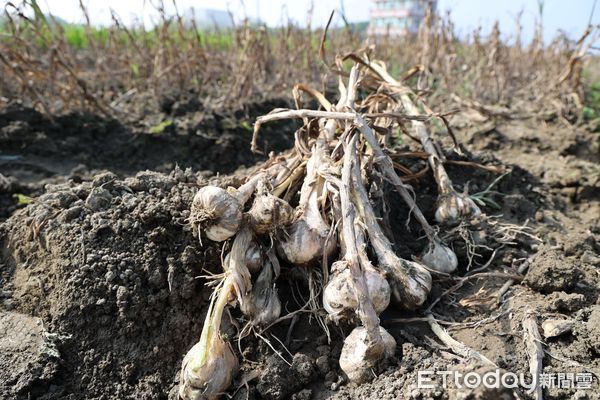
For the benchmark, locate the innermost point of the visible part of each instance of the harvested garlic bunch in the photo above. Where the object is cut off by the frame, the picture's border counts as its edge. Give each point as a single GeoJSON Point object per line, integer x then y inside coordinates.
{"type": "Point", "coordinates": [357, 359]}
{"type": "Point", "coordinates": [216, 212]}
{"type": "Point", "coordinates": [339, 297]}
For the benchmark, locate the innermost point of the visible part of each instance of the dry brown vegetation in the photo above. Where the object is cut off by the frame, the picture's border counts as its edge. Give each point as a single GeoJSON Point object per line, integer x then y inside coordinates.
{"type": "Point", "coordinates": [58, 68]}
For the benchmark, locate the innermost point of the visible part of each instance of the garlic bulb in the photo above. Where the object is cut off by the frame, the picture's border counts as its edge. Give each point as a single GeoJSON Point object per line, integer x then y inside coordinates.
{"type": "Point", "coordinates": [304, 242]}
{"type": "Point", "coordinates": [410, 283]}
{"type": "Point", "coordinates": [216, 212]}
{"type": "Point", "coordinates": [253, 258]}
{"type": "Point", "coordinates": [208, 368]}
{"type": "Point", "coordinates": [207, 372]}
{"type": "Point", "coordinates": [356, 359]}
{"type": "Point", "coordinates": [263, 304]}
{"type": "Point", "coordinates": [339, 297]}
{"type": "Point", "coordinates": [269, 212]}
{"type": "Point", "coordinates": [308, 238]}
{"type": "Point", "coordinates": [440, 257]}
{"type": "Point", "coordinates": [455, 206]}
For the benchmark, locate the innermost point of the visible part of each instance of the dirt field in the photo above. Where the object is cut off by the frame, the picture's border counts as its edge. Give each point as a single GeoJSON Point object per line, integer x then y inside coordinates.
{"type": "Point", "coordinates": [101, 284]}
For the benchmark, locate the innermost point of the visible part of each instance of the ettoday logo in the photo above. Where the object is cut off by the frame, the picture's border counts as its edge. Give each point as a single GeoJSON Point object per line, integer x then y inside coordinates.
{"type": "Point", "coordinates": [497, 379]}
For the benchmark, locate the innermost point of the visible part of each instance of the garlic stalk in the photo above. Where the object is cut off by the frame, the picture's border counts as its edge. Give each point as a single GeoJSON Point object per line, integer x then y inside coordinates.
{"type": "Point", "coordinates": [451, 205]}
{"type": "Point", "coordinates": [438, 263]}
{"type": "Point", "coordinates": [410, 282]}
{"type": "Point", "coordinates": [237, 264]}
{"type": "Point", "coordinates": [375, 348]}
{"type": "Point", "coordinates": [209, 366]}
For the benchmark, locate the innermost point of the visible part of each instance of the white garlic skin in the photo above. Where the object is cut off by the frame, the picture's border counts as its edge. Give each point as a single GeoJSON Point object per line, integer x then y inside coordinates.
{"type": "Point", "coordinates": [215, 212]}
{"type": "Point", "coordinates": [339, 297]}
{"type": "Point", "coordinates": [440, 258]}
{"type": "Point", "coordinates": [269, 212]}
{"type": "Point", "coordinates": [302, 244]}
{"type": "Point", "coordinates": [207, 380]}
{"type": "Point", "coordinates": [354, 359]}
{"type": "Point", "coordinates": [410, 284]}
{"type": "Point", "coordinates": [454, 207]}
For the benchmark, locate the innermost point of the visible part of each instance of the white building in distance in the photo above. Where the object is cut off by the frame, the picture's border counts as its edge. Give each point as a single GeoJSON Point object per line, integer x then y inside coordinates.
{"type": "Point", "coordinates": [206, 18]}
{"type": "Point", "coordinates": [398, 17]}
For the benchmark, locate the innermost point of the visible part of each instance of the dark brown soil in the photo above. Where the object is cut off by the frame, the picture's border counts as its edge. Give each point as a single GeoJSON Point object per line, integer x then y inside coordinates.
{"type": "Point", "coordinates": [100, 285]}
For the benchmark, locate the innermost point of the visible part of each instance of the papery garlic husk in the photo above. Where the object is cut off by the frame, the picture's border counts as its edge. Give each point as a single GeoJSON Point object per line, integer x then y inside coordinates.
{"type": "Point", "coordinates": [339, 297]}
{"type": "Point", "coordinates": [440, 257]}
{"type": "Point", "coordinates": [216, 212]}
{"type": "Point", "coordinates": [303, 243]}
{"type": "Point", "coordinates": [207, 369]}
{"type": "Point", "coordinates": [253, 258]}
{"type": "Point", "coordinates": [269, 212]}
{"type": "Point", "coordinates": [410, 283]}
{"type": "Point", "coordinates": [453, 207]}
{"type": "Point", "coordinates": [557, 327]}
{"type": "Point", "coordinates": [262, 305]}
{"type": "Point", "coordinates": [308, 238]}
{"type": "Point", "coordinates": [356, 360]}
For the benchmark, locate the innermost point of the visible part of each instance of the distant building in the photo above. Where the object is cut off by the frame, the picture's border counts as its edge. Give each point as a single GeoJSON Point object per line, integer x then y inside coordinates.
{"type": "Point", "coordinates": [206, 18]}
{"type": "Point", "coordinates": [398, 17]}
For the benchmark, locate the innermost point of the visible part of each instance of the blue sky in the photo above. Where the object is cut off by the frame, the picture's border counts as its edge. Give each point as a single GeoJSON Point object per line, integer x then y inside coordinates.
{"type": "Point", "coordinates": [570, 16]}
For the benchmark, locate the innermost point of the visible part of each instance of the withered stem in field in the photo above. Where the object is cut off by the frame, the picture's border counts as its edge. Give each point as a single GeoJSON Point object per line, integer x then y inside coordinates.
{"type": "Point", "coordinates": [456, 346]}
{"type": "Point", "coordinates": [535, 351]}
{"type": "Point", "coordinates": [366, 310]}
{"type": "Point", "coordinates": [384, 161]}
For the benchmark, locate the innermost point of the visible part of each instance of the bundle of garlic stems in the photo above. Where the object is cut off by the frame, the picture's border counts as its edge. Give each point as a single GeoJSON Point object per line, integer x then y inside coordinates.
{"type": "Point", "coordinates": [309, 206]}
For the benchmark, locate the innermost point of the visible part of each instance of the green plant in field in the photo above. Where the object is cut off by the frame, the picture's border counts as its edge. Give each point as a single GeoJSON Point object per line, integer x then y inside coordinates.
{"type": "Point", "coordinates": [135, 70]}
{"type": "Point", "coordinates": [591, 110]}
{"type": "Point", "coordinates": [75, 36]}
{"type": "Point", "coordinates": [22, 200]}
{"type": "Point", "coordinates": [246, 125]}
{"type": "Point", "coordinates": [486, 197]}
{"type": "Point", "coordinates": [158, 129]}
